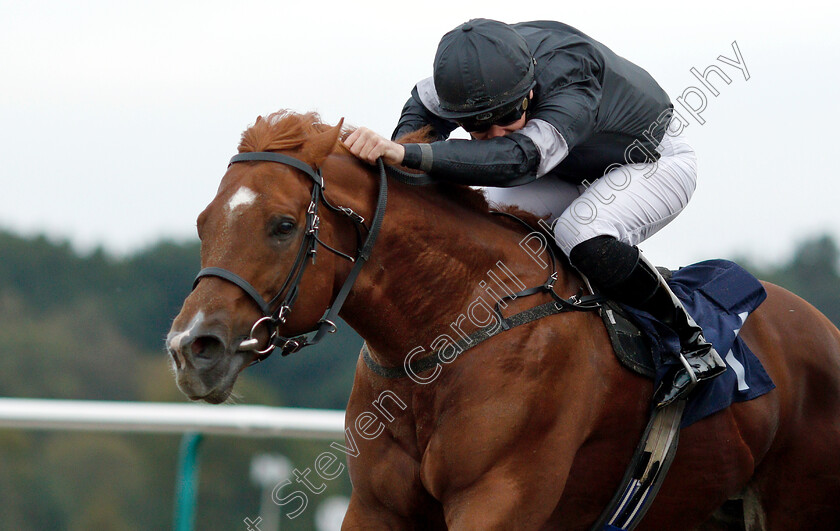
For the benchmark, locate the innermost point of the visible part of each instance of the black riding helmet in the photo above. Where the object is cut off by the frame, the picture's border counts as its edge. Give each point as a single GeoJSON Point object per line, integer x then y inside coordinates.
{"type": "Point", "coordinates": [483, 73]}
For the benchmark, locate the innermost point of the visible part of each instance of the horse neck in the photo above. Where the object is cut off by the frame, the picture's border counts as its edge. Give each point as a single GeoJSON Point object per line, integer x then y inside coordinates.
{"type": "Point", "coordinates": [433, 258]}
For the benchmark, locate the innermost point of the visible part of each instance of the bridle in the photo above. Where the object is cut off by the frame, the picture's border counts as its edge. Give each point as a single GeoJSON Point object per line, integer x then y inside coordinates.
{"type": "Point", "coordinates": [276, 311]}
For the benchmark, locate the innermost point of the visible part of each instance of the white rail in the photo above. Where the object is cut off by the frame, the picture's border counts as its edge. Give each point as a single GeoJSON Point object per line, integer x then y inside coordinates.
{"type": "Point", "coordinates": [157, 417]}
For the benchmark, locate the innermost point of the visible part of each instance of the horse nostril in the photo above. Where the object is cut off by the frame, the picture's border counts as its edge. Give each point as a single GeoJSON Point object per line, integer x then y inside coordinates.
{"type": "Point", "coordinates": [206, 347]}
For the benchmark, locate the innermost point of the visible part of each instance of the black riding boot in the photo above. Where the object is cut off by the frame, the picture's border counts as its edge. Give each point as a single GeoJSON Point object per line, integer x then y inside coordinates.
{"type": "Point", "coordinates": [700, 360]}
{"type": "Point", "coordinates": [633, 281]}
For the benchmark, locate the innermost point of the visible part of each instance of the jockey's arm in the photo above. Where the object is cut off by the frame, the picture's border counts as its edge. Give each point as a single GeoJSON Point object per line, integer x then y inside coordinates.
{"type": "Point", "coordinates": [562, 118]}
{"type": "Point", "coordinates": [560, 121]}
{"type": "Point", "coordinates": [511, 160]}
{"type": "Point", "coordinates": [415, 116]}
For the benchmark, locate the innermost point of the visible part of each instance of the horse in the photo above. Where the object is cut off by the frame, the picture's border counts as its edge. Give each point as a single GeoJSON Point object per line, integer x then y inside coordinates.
{"type": "Point", "coordinates": [533, 428]}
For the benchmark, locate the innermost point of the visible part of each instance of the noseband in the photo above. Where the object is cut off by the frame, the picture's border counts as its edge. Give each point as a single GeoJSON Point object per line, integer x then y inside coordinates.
{"type": "Point", "coordinates": [276, 311]}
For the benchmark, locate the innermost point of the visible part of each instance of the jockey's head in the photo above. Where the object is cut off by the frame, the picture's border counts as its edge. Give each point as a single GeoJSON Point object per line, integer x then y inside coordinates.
{"type": "Point", "coordinates": [484, 76]}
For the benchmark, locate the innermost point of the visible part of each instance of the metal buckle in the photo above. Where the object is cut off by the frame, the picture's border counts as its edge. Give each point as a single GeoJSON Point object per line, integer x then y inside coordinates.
{"type": "Point", "coordinates": [316, 224]}
{"type": "Point", "coordinates": [290, 346]}
{"type": "Point", "coordinates": [282, 313]}
{"type": "Point", "coordinates": [332, 325]}
{"type": "Point", "coordinates": [349, 212]}
{"type": "Point", "coordinates": [689, 369]}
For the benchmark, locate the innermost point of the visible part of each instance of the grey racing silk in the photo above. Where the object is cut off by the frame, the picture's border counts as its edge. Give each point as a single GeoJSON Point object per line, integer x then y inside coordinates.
{"type": "Point", "coordinates": [591, 109]}
{"type": "Point", "coordinates": [549, 142]}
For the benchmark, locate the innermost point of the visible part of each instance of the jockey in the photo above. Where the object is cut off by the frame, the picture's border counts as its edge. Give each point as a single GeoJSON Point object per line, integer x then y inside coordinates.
{"type": "Point", "coordinates": [565, 128]}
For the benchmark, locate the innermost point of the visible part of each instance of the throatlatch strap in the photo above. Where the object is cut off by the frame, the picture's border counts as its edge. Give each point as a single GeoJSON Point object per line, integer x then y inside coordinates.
{"type": "Point", "coordinates": [364, 253]}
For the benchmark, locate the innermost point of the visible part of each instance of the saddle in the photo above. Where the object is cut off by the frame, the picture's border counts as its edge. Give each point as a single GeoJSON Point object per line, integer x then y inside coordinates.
{"type": "Point", "coordinates": [632, 347]}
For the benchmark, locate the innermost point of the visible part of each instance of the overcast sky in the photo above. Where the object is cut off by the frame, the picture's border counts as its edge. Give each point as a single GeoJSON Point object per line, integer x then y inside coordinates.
{"type": "Point", "coordinates": [117, 118]}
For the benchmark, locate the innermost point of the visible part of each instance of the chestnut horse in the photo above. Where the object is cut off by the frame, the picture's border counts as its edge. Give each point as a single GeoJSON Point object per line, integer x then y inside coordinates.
{"type": "Point", "coordinates": [533, 428]}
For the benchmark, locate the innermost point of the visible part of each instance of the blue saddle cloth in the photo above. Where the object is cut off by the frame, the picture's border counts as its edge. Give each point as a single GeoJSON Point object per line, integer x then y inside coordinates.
{"type": "Point", "coordinates": [719, 295]}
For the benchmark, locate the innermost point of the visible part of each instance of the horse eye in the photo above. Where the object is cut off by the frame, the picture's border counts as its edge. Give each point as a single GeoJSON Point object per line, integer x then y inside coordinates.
{"type": "Point", "coordinates": [281, 227]}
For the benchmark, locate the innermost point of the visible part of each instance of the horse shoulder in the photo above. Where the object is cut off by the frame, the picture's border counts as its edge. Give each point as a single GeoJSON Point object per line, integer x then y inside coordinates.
{"type": "Point", "coordinates": [534, 408]}
{"type": "Point", "coordinates": [382, 456]}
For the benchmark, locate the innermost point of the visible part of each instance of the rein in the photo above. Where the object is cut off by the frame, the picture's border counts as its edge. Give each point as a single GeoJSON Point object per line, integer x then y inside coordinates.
{"type": "Point", "coordinates": [286, 296]}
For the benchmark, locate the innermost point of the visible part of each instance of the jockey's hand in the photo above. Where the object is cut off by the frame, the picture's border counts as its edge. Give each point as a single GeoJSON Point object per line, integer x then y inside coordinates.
{"type": "Point", "coordinates": [369, 146]}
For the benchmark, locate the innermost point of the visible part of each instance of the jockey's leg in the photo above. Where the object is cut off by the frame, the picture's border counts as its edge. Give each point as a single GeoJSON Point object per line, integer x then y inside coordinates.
{"type": "Point", "coordinates": [599, 232]}
{"type": "Point", "coordinates": [548, 196]}
{"type": "Point", "coordinates": [622, 273]}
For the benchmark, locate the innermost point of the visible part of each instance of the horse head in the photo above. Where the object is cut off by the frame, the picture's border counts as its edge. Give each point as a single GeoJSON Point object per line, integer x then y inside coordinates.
{"type": "Point", "coordinates": [259, 228]}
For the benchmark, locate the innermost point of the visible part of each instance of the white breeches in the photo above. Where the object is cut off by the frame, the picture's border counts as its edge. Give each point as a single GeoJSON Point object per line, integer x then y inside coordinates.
{"type": "Point", "coordinates": [630, 202]}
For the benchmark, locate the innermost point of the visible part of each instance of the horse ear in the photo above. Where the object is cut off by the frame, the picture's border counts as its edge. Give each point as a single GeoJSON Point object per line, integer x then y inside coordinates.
{"type": "Point", "coordinates": [319, 146]}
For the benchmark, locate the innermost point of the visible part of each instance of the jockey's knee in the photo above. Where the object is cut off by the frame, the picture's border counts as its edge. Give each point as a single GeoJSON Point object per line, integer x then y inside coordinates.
{"type": "Point", "coordinates": [604, 260]}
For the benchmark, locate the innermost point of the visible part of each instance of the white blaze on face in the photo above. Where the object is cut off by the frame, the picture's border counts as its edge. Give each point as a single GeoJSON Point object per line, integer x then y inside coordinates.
{"type": "Point", "coordinates": [242, 198]}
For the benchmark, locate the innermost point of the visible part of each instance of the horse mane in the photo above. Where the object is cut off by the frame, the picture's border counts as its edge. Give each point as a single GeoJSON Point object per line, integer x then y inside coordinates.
{"type": "Point", "coordinates": [286, 130]}
{"type": "Point", "coordinates": [281, 131]}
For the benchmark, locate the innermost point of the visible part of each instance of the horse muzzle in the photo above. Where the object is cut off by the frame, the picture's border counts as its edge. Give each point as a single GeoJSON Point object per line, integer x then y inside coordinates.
{"type": "Point", "coordinates": [206, 363]}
